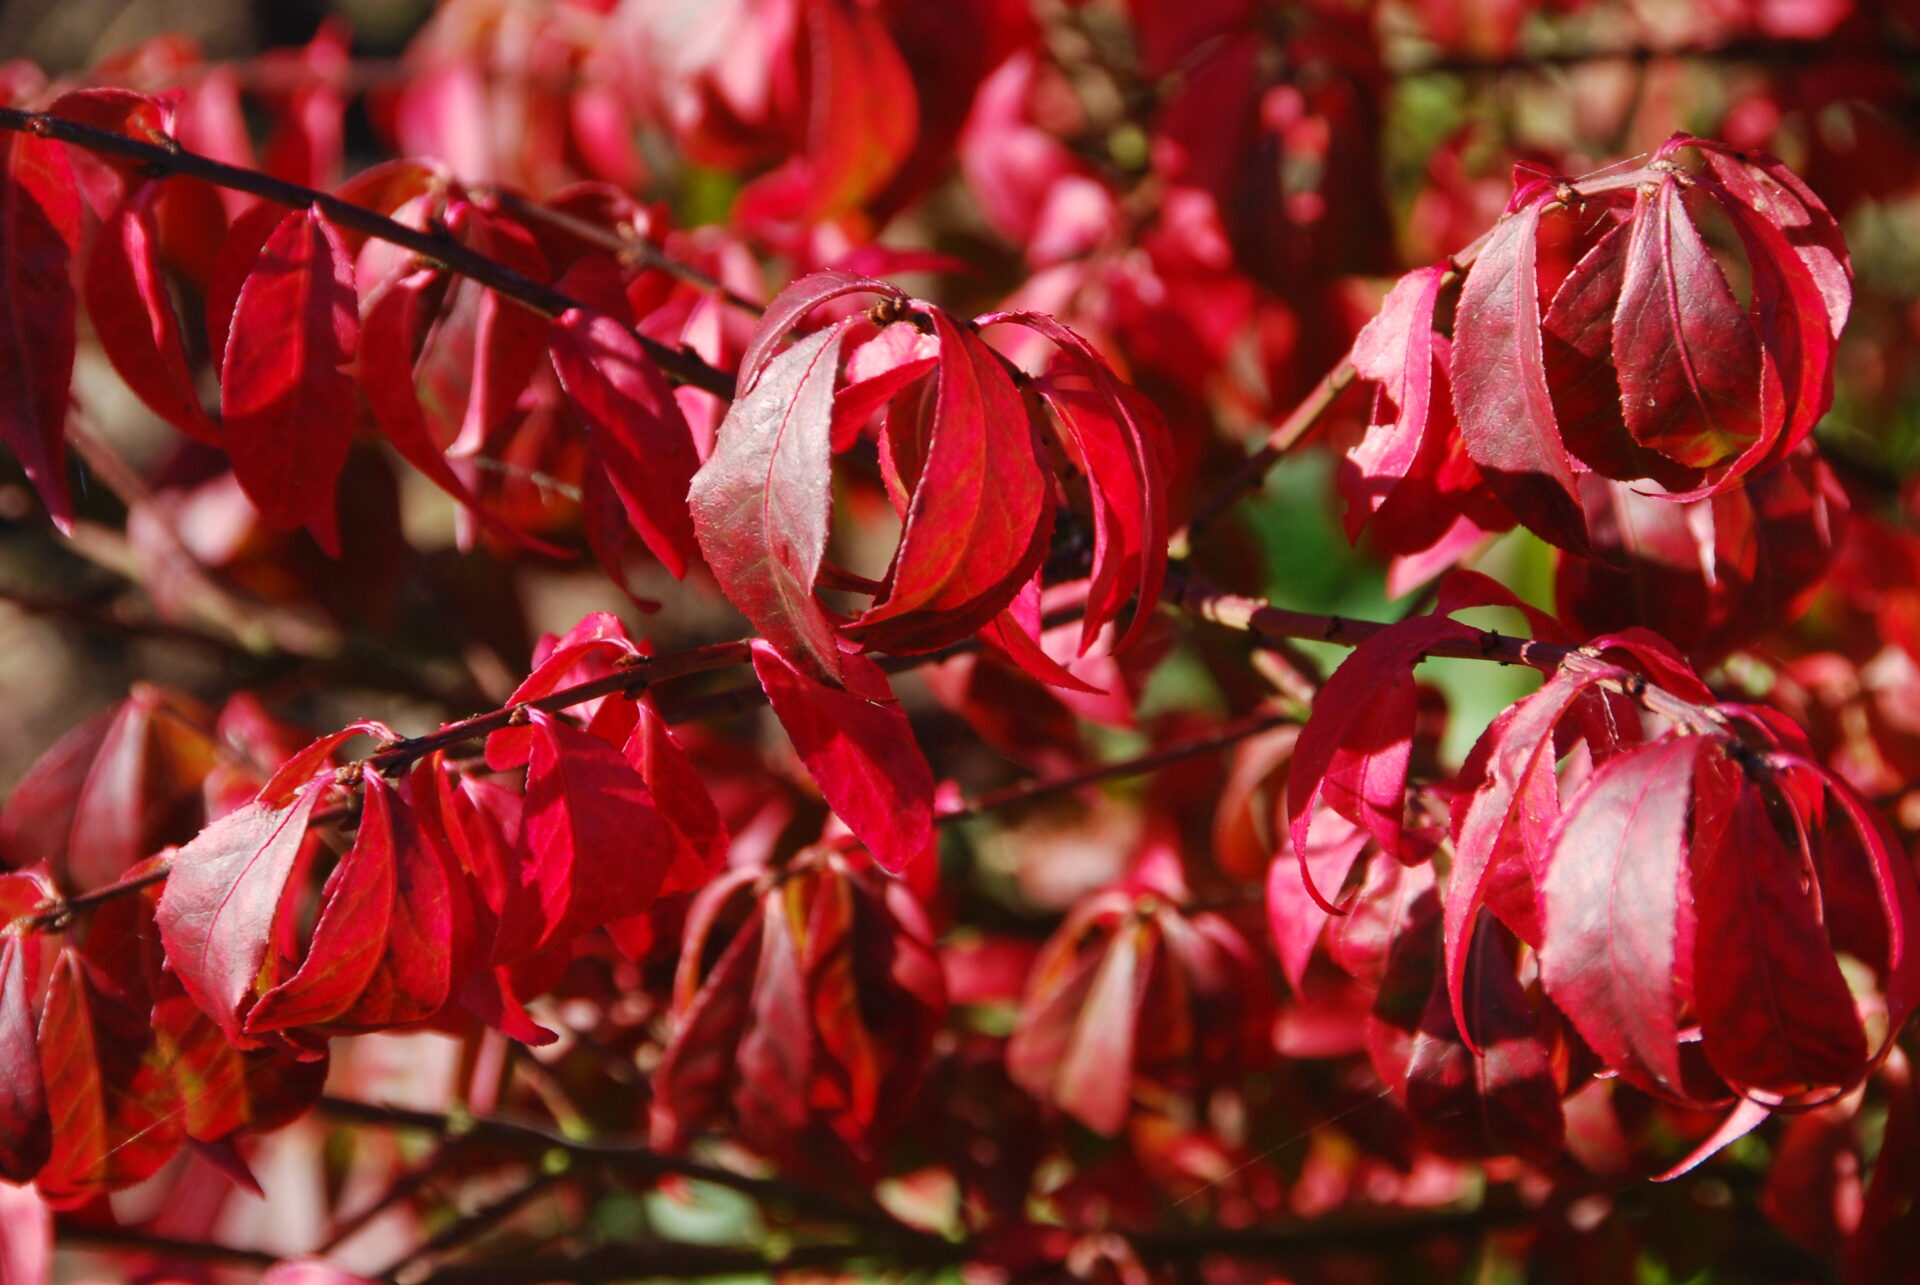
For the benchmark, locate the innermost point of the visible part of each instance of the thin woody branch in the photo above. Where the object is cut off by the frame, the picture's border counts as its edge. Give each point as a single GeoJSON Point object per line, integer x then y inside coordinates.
{"type": "Point", "coordinates": [169, 158]}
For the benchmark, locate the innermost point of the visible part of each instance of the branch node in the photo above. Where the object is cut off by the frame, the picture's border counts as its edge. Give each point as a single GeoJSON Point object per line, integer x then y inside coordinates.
{"type": "Point", "coordinates": [520, 715]}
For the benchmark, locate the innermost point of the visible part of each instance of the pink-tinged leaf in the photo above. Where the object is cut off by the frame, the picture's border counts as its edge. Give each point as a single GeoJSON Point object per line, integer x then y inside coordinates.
{"type": "Point", "coordinates": [1775, 1013]}
{"type": "Point", "coordinates": [1686, 353]}
{"type": "Point", "coordinates": [1296, 918]}
{"type": "Point", "coordinates": [1094, 1081]}
{"type": "Point", "coordinates": [1396, 351]}
{"type": "Point", "coordinates": [1352, 755]}
{"type": "Point", "coordinates": [387, 328]}
{"type": "Point", "coordinates": [285, 394]}
{"type": "Point", "coordinates": [1017, 630]}
{"type": "Point", "coordinates": [1500, 386]}
{"type": "Point", "coordinates": [595, 847]}
{"type": "Point", "coordinates": [980, 511]}
{"type": "Point", "coordinates": [776, 1052]}
{"type": "Point", "coordinates": [1746, 1116]}
{"type": "Point", "coordinates": [26, 1133]}
{"type": "Point", "coordinates": [1501, 840]}
{"type": "Point", "coordinates": [1617, 914]}
{"type": "Point", "coordinates": [26, 1237]}
{"type": "Point", "coordinates": [877, 370]}
{"type": "Point", "coordinates": [1892, 876]}
{"type": "Point", "coordinates": [634, 427]}
{"type": "Point", "coordinates": [39, 230]}
{"type": "Point", "coordinates": [382, 948]}
{"type": "Point", "coordinates": [133, 318]}
{"type": "Point", "coordinates": [218, 909]}
{"type": "Point", "coordinates": [794, 303]}
{"type": "Point", "coordinates": [116, 1110]}
{"type": "Point", "coordinates": [860, 751]}
{"type": "Point", "coordinates": [861, 120]}
{"type": "Point", "coordinates": [1797, 287]}
{"type": "Point", "coordinates": [761, 504]}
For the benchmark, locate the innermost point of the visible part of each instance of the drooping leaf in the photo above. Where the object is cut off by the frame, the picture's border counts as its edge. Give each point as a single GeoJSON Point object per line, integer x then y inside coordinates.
{"type": "Point", "coordinates": [776, 1052]}
{"type": "Point", "coordinates": [1687, 355]}
{"type": "Point", "coordinates": [39, 233]}
{"type": "Point", "coordinates": [115, 1108]}
{"type": "Point", "coordinates": [1352, 755]}
{"type": "Point", "coordinates": [388, 320]}
{"type": "Point", "coordinates": [595, 848]}
{"type": "Point", "coordinates": [1617, 914]}
{"type": "Point", "coordinates": [1776, 1015]}
{"type": "Point", "coordinates": [1123, 444]}
{"type": "Point", "coordinates": [1501, 838]}
{"type": "Point", "coordinates": [133, 317]}
{"type": "Point", "coordinates": [979, 511]}
{"type": "Point", "coordinates": [1500, 386]}
{"type": "Point", "coordinates": [26, 1131]}
{"type": "Point", "coordinates": [761, 502]}
{"type": "Point", "coordinates": [218, 910]}
{"type": "Point", "coordinates": [1395, 351]}
{"type": "Point", "coordinates": [860, 751]}
{"type": "Point", "coordinates": [285, 394]}
{"type": "Point", "coordinates": [382, 951]}
{"type": "Point", "coordinates": [635, 428]}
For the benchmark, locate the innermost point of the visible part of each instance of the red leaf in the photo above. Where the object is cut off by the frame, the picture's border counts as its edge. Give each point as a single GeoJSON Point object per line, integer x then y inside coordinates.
{"type": "Point", "coordinates": [1500, 1100]}
{"type": "Point", "coordinates": [793, 304]}
{"type": "Point", "coordinates": [239, 252]}
{"type": "Point", "coordinates": [682, 799]}
{"type": "Point", "coordinates": [776, 1052]}
{"type": "Point", "coordinates": [1352, 754]}
{"type": "Point", "coordinates": [133, 318]}
{"type": "Point", "coordinates": [761, 502]}
{"type": "Point", "coordinates": [980, 513]}
{"type": "Point", "coordinates": [39, 230]}
{"type": "Point", "coordinates": [115, 1108]}
{"type": "Point", "coordinates": [694, 1070]}
{"type": "Point", "coordinates": [1686, 353]}
{"type": "Point", "coordinates": [387, 327]}
{"type": "Point", "coordinates": [1124, 446]}
{"type": "Point", "coordinates": [634, 427]}
{"type": "Point", "coordinates": [860, 750]}
{"type": "Point", "coordinates": [218, 909]}
{"type": "Point", "coordinates": [1776, 1015]}
{"type": "Point", "coordinates": [26, 1133]}
{"type": "Point", "coordinates": [287, 400]}
{"type": "Point", "coordinates": [1618, 920]}
{"type": "Point", "coordinates": [1395, 350]}
{"type": "Point", "coordinates": [595, 848]}
{"type": "Point", "coordinates": [1502, 836]}
{"type": "Point", "coordinates": [382, 948]}
{"type": "Point", "coordinates": [1500, 386]}
{"type": "Point", "coordinates": [1296, 917]}
{"type": "Point", "coordinates": [1092, 1081]}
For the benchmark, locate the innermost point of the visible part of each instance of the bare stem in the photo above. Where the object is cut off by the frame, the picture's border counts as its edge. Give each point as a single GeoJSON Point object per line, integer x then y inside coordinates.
{"type": "Point", "coordinates": [1298, 423]}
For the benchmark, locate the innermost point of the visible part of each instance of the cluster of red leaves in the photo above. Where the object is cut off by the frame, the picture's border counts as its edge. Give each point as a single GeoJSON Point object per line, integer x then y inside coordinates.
{"type": "Point", "coordinates": [1638, 893]}
{"type": "Point", "coordinates": [1595, 326]}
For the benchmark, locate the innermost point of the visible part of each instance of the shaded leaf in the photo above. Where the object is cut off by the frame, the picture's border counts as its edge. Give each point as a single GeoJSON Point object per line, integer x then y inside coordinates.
{"type": "Point", "coordinates": [285, 395]}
